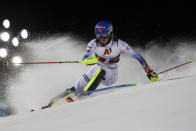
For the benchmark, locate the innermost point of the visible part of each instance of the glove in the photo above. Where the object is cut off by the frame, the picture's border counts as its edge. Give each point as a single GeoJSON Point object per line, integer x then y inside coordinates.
{"type": "Point", "coordinates": [153, 76]}
{"type": "Point", "coordinates": [90, 61]}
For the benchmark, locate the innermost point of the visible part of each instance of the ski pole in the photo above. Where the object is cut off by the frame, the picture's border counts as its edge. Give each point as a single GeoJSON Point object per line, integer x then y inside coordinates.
{"type": "Point", "coordinates": [175, 67]}
{"type": "Point", "coordinates": [89, 60]}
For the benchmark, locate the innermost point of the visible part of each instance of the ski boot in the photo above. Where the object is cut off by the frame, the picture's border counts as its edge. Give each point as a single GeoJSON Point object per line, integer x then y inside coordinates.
{"type": "Point", "coordinates": [69, 95]}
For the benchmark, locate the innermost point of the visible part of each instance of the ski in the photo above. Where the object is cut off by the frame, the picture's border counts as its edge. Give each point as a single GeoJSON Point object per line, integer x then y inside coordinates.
{"type": "Point", "coordinates": [103, 89]}
{"type": "Point", "coordinates": [62, 100]}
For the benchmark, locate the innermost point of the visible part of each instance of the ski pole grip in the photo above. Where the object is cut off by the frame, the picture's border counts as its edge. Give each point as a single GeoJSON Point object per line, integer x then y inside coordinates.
{"type": "Point", "coordinates": [89, 60]}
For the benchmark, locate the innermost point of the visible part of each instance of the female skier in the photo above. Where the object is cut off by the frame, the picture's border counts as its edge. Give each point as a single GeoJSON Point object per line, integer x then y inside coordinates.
{"type": "Point", "coordinates": [107, 50]}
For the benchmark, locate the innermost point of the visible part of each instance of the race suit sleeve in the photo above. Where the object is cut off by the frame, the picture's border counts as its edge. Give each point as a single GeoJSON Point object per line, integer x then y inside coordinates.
{"type": "Point", "coordinates": [130, 51]}
{"type": "Point", "coordinates": [89, 51]}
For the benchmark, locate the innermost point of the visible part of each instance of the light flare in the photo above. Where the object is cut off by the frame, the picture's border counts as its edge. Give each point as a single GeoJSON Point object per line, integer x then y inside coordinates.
{"type": "Point", "coordinates": [3, 52]}
{"type": "Point", "coordinates": [17, 60]}
{"type": "Point", "coordinates": [24, 34]}
{"type": "Point", "coordinates": [5, 36]}
{"type": "Point", "coordinates": [15, 41]}
{"type": "Point", "coordinates": [6, 23]}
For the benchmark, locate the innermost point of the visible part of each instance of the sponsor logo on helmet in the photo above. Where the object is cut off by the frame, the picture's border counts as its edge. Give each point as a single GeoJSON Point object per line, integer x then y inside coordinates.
{"type": "Point", "coordinates": [100, 27]}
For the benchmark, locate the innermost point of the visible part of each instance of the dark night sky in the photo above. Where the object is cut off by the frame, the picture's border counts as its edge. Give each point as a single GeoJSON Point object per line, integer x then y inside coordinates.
{"type": "Point", "coordinates": [139, 22]}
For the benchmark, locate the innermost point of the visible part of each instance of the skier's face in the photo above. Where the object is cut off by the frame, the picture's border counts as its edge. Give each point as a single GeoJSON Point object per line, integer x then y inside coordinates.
{"type": "Point", "coordinates": [104, 41]}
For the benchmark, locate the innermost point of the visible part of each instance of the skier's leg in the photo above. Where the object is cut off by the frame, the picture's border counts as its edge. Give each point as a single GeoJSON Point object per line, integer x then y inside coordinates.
{"type": "Point", "coordinates": [111, 76]}
{"type": "Point", "coordinates": [90, 80]}
{"type": "Point", "coordinates": [93, 83]}
{"type": "Point", "coordinates": [95, 80]}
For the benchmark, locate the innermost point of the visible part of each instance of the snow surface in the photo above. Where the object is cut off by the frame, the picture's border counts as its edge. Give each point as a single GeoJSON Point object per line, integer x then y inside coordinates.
{"type": "Point", "coordinates": [166, 105]}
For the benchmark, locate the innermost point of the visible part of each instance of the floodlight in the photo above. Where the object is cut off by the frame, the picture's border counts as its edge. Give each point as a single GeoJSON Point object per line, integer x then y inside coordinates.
{"type": "Point", "coordinates": [6, 23]}
{"type": "Point", "coordinates": [5, 36]}
{"type": "Point", "coordinates": [15, 41]}
{"type": "Point", "coordinates": [17, 59]}
{"type": "Point", "coordinates": [3, 52]}
{"type": "Point", "coordinates": [24, 34]}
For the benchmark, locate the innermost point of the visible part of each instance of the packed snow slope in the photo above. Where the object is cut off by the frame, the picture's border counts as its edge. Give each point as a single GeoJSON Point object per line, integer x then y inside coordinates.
{"type": "Point", "coordinates": [166, 105]}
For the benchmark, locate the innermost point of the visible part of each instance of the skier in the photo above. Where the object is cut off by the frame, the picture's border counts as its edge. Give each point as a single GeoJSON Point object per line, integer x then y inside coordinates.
{"type": "Point", "coordinates": [107, 49]}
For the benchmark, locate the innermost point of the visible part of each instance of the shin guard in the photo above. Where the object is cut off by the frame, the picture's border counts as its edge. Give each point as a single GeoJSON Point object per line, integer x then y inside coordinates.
{"type": "Point", "coordinates": [95, 80]}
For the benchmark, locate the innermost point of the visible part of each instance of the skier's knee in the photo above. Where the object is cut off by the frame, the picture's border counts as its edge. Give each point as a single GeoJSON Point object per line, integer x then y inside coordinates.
{"type": "Point", "coordinates": [95, 80]}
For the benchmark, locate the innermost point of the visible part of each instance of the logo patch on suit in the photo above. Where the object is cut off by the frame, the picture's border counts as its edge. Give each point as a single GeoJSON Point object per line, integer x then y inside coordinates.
{"type": "Point", "coordinates": [106, 52]}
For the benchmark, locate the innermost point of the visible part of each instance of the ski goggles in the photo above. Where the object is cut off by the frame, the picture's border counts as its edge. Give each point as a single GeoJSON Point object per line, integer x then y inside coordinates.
{"type": "Point", "coordinates": [102, 36]}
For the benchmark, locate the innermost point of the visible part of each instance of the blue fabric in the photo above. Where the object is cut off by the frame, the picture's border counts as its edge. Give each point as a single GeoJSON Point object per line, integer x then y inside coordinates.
{"type": "Point", "coordinates": [86, 55]}
{"type": "Point", "coordinates": [141, 59]}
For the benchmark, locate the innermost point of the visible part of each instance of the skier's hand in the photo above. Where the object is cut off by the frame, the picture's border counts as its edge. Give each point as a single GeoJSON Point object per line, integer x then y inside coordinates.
{"type": "Point", "coordinates": [90, 61]}
{"type": "Point", "coordinates": [153, 76]}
